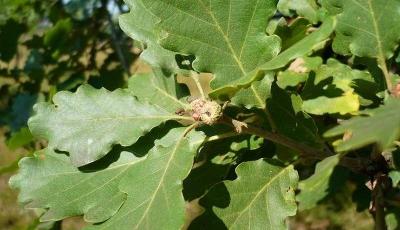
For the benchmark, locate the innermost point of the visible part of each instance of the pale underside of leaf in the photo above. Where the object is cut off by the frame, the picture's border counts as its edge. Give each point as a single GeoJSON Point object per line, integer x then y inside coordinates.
{"type": "Point", "coordinates": [49, 180]}
{"type": "Point", "coordinates": [86, 124]}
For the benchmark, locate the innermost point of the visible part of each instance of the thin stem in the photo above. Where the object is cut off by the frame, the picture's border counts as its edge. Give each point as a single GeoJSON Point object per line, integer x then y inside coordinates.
{"type": "Point", "coordinates": [382, 64]}
{"type": "Point", "coordinates": [378, 203]}
{"type": "Point", "coordinates": [380, 223]}
{"type": "Point", "coordinates": [190, 128]}
{"type": "Point", "coordinates": [218, 137]}
{"type": "Point", "coordinates": [310, 152]}
{"type": "Point", "coordinates": [221, 136]}
{"type": "Point", "coordinates": [265, 110]}
{"type": "Point", "coordinates": [270, 119]}
{"type": "Point", "coordinates": [381, 54]}
{"type": "Point", "coordinates": [198, 85]}
{"type": "Point", "coordinates": [277, 138]}
{"type": "Point", "coordinates": [182, 118]}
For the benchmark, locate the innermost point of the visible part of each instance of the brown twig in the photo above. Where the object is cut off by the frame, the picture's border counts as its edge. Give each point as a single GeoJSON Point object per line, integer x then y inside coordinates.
{"type": "Point", "coordinates": [305, 150]}
{"type": "Point", "coordinates": [274, 137]}
{"type": "Point", "coordinates": [377, 208]}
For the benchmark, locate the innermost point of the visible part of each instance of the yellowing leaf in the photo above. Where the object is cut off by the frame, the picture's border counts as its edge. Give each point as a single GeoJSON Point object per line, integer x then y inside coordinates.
{"type": "Point", "coordinates": [348, 103]}
{"type": "Point", "coordinates": [380, 125]}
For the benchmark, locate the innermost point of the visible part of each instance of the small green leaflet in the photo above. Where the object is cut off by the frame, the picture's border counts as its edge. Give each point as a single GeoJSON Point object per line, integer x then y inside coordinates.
{"type": "Point", "coordinates": [395, 176]}
{"type": "Point", "coordinates": [86, 124]}
{"type": "Point", "coordinates": [304, 47]}
{"type": "Point", "coordinates": [391, 218]}
{"type": "Point", "coordinates": [380, 125]}
{"type": "Point", "coordinates": [57, 36]}
{"type": "Point", "coordinates": [315, 188]}
{"type": "Point", "coordinates": [49, 180]}
{"type": "Point", "coordinates": [154, 187]}
{"type": "Point", "coordinates": [20, 138]}
{"type": "Point", "coordinates": [261, 197]}
{"type": "Point", "coordinates": [305, 8]}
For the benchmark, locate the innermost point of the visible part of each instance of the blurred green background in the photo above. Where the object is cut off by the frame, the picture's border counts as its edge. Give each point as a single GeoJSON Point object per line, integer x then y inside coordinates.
{"type": "Point", "coordinates": [51, 45]}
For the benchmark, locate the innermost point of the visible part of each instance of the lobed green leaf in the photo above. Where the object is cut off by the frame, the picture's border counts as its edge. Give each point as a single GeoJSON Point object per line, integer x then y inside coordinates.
{"type": "Point", "coordinates": [366, 28]}
{"type": "Point", "coordinates": [261, 197]}
{"type": "Point", "coordinates": [154, 187]}
{"type": "Point", "coordinates": [49, 181]}
{"type": "Point", "coordinates": [380, 125]}
{"type": "Point", "coordinates": [86, 124]}
{"type": "Point", "coordinates": [238, 44]}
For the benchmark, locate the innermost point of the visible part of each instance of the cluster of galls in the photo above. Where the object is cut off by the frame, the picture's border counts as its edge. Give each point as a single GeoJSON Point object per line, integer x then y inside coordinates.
{"type": "Point", "coordinates": [203, 111]}
{"type": "Point", "coordinates": [396, 90]}
{"type": "Point", "coordinates": [208, 112]}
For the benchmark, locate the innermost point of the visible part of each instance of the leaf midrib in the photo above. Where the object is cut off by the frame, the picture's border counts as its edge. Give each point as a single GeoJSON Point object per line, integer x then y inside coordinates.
{"type": "Point", "coordinates": [258, 97]}
{"type": "Point", "coordinates": [170, 96]}
{"type": "Point", "coordinates": [381, 54]}
{"type": "Point", "coordinates": [168, 164]}
{"type": "Point", "coordinates": [226, 38]}
{"type": "Point", "coordinates": [127, 165]}
{"type": "Point", "coordinates": [130, 118]}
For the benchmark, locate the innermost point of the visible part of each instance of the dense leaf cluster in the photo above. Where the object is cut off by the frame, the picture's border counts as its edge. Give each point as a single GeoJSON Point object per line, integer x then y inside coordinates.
{"type": "Point", "coordinates": [307, 95]}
